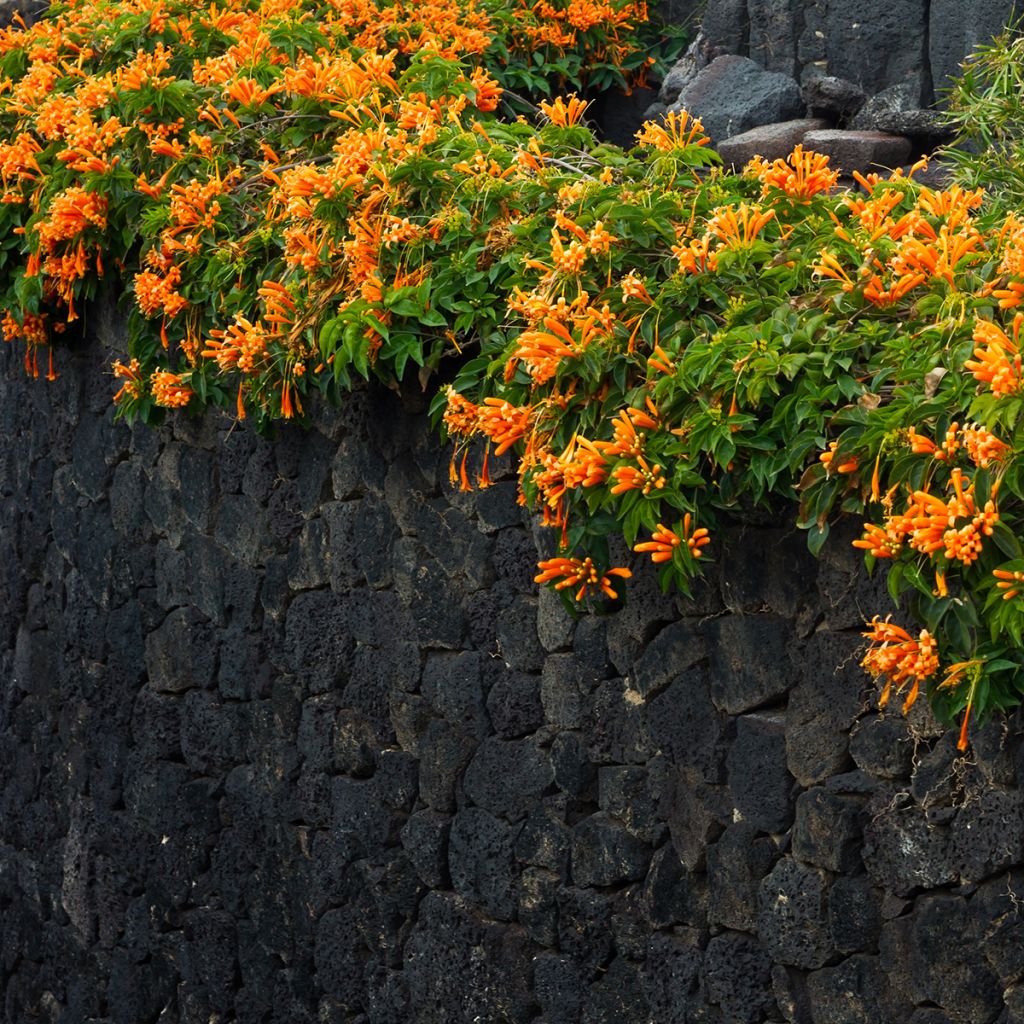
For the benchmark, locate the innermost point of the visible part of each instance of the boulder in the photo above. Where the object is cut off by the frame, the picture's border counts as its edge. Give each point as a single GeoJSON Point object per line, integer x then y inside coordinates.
{"type": "Point", "coordinates": [860, 150]}
{"type": "Point", "coordinates": [734, 94]}
{"type": "Point", "coordinates": [769, 141]}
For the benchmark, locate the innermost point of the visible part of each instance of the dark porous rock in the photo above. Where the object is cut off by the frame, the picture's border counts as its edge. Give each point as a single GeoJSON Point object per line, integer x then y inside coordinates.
{"type": "Point", "coordinates": [853, 992]}
{"type": "Point", "coordinates": [508, 777]}
{"type": "Point", "coordinates": [906, 94]}
{"type": "Point", "coordinates": [396, 779]}
{"type": "Point", "coordinates": [675, 649]}
{"type": "Point", "coordinates": [725, 26]}
{"type": "Point", "coordinates": [762, 568]}
{"type": "Point", "coordinates": [213, 733]}
{"type": "Point", "coordinates": [687, 727]}
{"type": "Point", "coordinates": [544, 840]}
{"type": "Point", "coordinates": [774, 32]}
{"type": "Point", "coordinates": [629, 794]}
{"type": "Point", "coordinates": [882, 745]}
{"type": "Point", "coordinates": [933, 782]}
{"type": "Point", "coordinates": [444, 753]}
{"type": "Point", "coordinates": [584, 929]}
{"type": "Point", "coordinates": [828, 829]}
{"type": "Point", "coordinates": [410, 717]}
{"type": "Point", "coordinates": [852, 150]}
{"type": "Point", "coordinates": [854, 915]}
{"type": "Point", "coordinates": [453, 685]}
{"type": "Point", "coordinates": [481, 863]}
{"type": "Point", "coordinates": [829, 96]}
{"type": "Point", "coordinates": [618, 726]}
{"type": "Point", "coordinates": [998, 911]}
{"type": "Point", "coordinates": [925, 128]}
{"type": "Point", "coordinates": [673, 895]}
{"type": "Point", "coordinates": [357, 807]}
{"type": "Point", "coordinates": [996, 750]}
{"type": "Point", "coordinates": [560, 692]}
{"type": "Point", "coordinates": [496, 507]}
{"type": "Point", "coordinates": [734, 94]}
{"type": "Point", "coordinates": [770, 142]}
{"type": "Point", "coordinates": [517, 636]}
{"type": "Point", "coordinates": [616, 997]}
{"type": "Point", "coordinates": [736, 866]}
{"type": "Point", "coordinates": [738, 977]}
{"type": "Point", "coordinates": [339, 953]}
{"type": "Point", "coordinates": [425, 841]}
{"type": "Point", "coordinates": [823, 706]}
{"type": "Point", "coordinates": [683, 72]}
{"type": "Point", "coordinates": [987, 834]}
{"type": "Point", "coordinates": [604, 853]}
{"type": "Point", "coordinates": [460, 967]}
{"type": "Point", "coordinates": [513, 702]}
{"type": "Point", "coordinates": [957, 28]}
{"type": "Point", "coordinates": [750, 660]}
{"type": "Point", "coordinates": [536, 905]}
{"type": "Point", "coordinates": [934, 956]}
{"type": "Point", "coordinates": [672, 978]}
{"type": "Point", "coordinates": [575, 773]}
{"type": "Point", "coordinates": [789, 986]}
{"type": "Point", "coordinates": [317, 645]}
{"type": "Point", "coordinates": [871, 42]}
{"type": "Point", "coordinates": [697, 813]}
{"type": "Point", "coordinates": [555, 626]}
{"type": "Point", "coordinates": [558, 987]}
{"type": "Point", "coordinates": [759, 780]}
{"type": "Point", "coordinates": [639, 621]}
{"type": "Point", "coordinates": [792, 918]}
{"type": "Point", "coordinates": [619, 114]}
{"type": "Point", "coordinates": [903, 852]}
{"type": "Point", "coordinates": [181, 654]}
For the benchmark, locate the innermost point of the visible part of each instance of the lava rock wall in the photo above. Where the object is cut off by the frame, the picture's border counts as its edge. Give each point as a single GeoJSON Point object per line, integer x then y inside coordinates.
{"type": "Point", "coordinates": [287, 734]}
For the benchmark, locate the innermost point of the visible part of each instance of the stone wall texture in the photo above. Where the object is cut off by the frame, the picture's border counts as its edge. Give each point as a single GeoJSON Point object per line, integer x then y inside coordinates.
{"type": "Point", "coordinates": [288, 735]}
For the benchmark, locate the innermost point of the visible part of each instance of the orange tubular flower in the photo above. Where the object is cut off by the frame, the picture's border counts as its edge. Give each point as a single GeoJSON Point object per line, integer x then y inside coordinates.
{"type": "Point", "coordinates": [827, 458]}
{"type": "Point", "coordinates": [880, 541]}
{"type": "Point", "coordinates": [676, 132]}
{"type": "Point", "coordinates": [998, 361]}
{"type": "Point", "coordinates": [645, 479]}
{"type": "Point", "coordinates": [564, 112]}
{"type": "Point", "coordinates": [662, 544]}
{"type": "Point", "coordinates": [572, 571]}
{"type": "Point", "coordinates": [800, 176]}
{"type": "Point", "coordinates": [900, 659]}
{"type": "Point", "coordinates": [169, 391]}
{"type": "Point", "coordinates": [1011, 583]}
{"type": "Point", "coordinates": [488, 92]}
{"type": "Point", "coordinates": [739, 226]}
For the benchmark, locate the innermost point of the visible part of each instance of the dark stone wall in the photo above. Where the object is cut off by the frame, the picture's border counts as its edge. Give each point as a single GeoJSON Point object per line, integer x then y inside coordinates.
{"type": "Point", "coordinates": [288, 735]}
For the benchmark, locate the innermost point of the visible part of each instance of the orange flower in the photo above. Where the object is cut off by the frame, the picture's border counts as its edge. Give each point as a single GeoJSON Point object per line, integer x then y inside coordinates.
{"type": "Point", "coordinates": [564, 113]}
{"type": "Point", "coordinates": [828, 457]}
{"type": "Point", "coordinates": [739, 226]}
{"type": "Point", "coordinates": [488, 92]}
{"type": "Point", "coordinates": [1011, 583]}
{"type": "Point", "coordinates": [169, 390]}
{"type": "Point", "coordinates": [800, 176]}
{"type": "Point", "coordinates": [662, 544]}
{"type": "Point", "coordinates": [676, 132]}
{"type": "Point", "coordinates": [998, 359]}
{"type": "Point", "coordinates": [572, 571]}
{"type": "Point", "coordinates": [900, 659]}
{"type": "Point", "coordinates": [645, 479]}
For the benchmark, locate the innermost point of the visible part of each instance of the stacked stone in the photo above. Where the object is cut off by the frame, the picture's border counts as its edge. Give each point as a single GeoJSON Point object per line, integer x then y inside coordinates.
{"type": "Point", "coordinates": [858, 80]}
{"type": "Point", "coordinates": [288, 735]}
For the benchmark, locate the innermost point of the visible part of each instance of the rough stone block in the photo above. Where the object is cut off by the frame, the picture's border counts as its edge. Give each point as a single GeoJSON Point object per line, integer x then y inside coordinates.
{"type": "Point", "coordinates": [770, 142]}
{"type": "Point", "coordinates": [736, 866]}
{"type": "Point", "coordinates": [604, 853]}
{"type": "Point", "coordinates": [508, 777]}
{"type": "Point", "coordinates": [481, 863]}
{"type": "Point", "coordinates": [673, 895]}
{"type": "Point", "coordinates": [750, 660]}
{"type": "Point", "coordinates": [759, 780]}
{"type": "Point", "coordinates": [854, 915]}
{"type": "Point", "coordinates": [792, 917]}
{"type": "Point", "coordinates": [903, 852]}
{"type": "Point", "coordinates": [850, 150]}
{"type": "Point", "coordinates": [956, 28]}
{"type": "Point", "coordinates": [697, 814]}
{"type": "Point", "coordinates": [738, 976]}
{"type": "Point", "coordinates": [734, 94]}
{"type": "Point", "coordinates": [675, 649]}
{"type": "Point", "coordinates": [425, 840]}
{"type": "Point", "coordinates": [828, 829]}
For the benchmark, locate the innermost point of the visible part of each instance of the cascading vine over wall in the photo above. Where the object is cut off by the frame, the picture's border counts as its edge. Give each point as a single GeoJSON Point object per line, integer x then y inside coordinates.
{"type": "Point", "coordinates": [288, 734]}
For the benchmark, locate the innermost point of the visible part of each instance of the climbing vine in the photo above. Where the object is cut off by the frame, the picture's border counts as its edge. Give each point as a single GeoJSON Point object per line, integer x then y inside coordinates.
{"type": "Point", "coordinates": [300, 194]}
